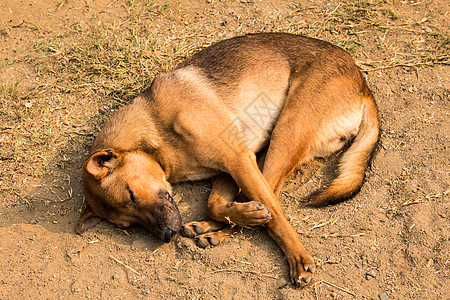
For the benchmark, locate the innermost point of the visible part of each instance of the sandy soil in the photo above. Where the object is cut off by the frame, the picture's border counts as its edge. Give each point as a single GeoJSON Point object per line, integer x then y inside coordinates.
{"type": "Point", "coordinates": [65, 66]}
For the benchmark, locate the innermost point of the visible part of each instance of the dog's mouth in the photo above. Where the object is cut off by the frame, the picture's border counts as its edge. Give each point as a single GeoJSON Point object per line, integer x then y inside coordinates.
{"type": "Point", "coordinates": [167, 229]}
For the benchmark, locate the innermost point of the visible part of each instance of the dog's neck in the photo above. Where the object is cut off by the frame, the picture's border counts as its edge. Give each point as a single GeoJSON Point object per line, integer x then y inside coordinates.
{"type": "Point", "coordinates": [130, 128]}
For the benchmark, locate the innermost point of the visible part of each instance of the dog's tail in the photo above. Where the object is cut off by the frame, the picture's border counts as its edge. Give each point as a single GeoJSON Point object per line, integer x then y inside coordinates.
{"type": "Point", "coordinates": [354, 161]}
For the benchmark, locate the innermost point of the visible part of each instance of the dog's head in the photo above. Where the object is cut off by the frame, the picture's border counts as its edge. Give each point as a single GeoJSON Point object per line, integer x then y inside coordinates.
{"type": "Point", "coordinates": [128, 188]}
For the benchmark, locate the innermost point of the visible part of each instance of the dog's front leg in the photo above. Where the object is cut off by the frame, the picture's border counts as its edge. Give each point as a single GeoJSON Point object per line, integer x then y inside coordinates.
{"type": "Point", "coordinates": [245, 172]}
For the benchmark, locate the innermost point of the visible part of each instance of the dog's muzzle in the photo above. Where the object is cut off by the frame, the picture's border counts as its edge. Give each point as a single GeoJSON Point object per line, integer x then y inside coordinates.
{"type": "Point", "coordinates": [166, 216]}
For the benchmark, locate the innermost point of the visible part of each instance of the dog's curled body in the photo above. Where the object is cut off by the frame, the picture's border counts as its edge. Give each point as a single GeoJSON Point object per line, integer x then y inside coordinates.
{"type": "Point", "coordinates": [294, 97]}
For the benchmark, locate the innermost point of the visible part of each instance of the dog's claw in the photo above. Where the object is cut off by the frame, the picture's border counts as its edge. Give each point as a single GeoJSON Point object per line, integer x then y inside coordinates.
{"type": "Point", "coordinates": [310, 268]}
{"type": "Point", "coordinates": [305, 279]}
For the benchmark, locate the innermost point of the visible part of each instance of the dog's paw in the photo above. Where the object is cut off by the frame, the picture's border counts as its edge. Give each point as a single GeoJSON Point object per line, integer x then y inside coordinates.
{"type": "Point", "coordinates": [194, 229]}
{"type": "Point", "coordinates": [250, 213]}
{"type": "Point", "coordinates": [211, 239]}
{"type": "Point", "coordinates": [208, 233]}
{"type": "Point", "coordinates": [301, 270]}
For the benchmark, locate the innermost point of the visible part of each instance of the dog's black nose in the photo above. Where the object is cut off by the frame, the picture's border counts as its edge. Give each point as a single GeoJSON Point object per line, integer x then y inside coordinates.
{"type": "Point", "coordinates": [168, 235]}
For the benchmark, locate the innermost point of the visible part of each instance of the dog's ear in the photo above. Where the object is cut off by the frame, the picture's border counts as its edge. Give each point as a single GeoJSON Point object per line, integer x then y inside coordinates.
{"type": "Point", "coordinates": [101, 163]}
{"type": "Point", "coordinates": [87, 220]}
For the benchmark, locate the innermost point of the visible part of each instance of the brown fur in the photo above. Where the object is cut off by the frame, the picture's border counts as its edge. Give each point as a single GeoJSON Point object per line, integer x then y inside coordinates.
{"type": "Point", "coordinates": [295, 97]}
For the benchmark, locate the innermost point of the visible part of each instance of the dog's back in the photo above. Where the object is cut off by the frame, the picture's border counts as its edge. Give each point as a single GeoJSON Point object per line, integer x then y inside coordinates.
{"type": "Point", "coordinates": [255, 78]}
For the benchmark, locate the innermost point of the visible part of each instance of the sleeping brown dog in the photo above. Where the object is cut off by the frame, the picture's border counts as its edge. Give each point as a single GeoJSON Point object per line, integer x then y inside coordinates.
{"type": "Point", "coordinates": [280, 99]}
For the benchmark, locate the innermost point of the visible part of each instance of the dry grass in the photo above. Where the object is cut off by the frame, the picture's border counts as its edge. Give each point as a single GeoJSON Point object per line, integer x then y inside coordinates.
{"type": "Point", "coordinates": [83, 73]}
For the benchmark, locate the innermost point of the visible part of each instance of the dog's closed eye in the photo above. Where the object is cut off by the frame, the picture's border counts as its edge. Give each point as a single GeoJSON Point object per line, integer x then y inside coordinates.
{"type": "Point", "coordinates": [132, 197]}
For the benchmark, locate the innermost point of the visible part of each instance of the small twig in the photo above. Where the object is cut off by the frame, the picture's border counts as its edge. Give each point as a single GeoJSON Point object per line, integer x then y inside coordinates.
{"type": "Point", "coordinates": [338, 235]}
{"type": "Point", "coordinates": [78, 250]}
{"type": "Point", "coordinates": [111, 3]}
{"type": "Point", "coordinates": [61, 5]}
{"type": "Point", "coordinates": [18, 25]}
{"type": "Point", "coordinates": [231, 223]}
{"type": "Point", "coordinates": [443, 59]}
{"type": "Point", "coordinates": [29, 23]}
{"type": "Point", "coordinates": [430, 196]}
{"type": "Point", "coordinates": [329, 222]}
{"type": "Point", "coordinates": [337, 287]}
{"type": "Point", "coordinates": [334, 10]}
{"type": "Point", "coordinates": [316, 292]}
{"type": "Point", "coordinates": [411, 202]}
{"type": "Point", "coordinates": [126, 266]}
{"type": "Point", "coordinates": [243, 272]}
{"type": "Point", "coordinates": [327, 18]}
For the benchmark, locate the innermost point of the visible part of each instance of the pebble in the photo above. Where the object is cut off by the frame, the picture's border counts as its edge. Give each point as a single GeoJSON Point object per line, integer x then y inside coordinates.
{"type": "Point", "coordinates": [383, 296]}
{"type": "Point", "coordinates": [371, 274]}
{"type": "Point", "coordinates": [430, 263]}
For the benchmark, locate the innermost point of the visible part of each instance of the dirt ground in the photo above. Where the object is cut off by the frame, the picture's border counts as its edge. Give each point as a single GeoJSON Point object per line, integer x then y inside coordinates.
{"type": "Point", "coordinates": [65, 66]}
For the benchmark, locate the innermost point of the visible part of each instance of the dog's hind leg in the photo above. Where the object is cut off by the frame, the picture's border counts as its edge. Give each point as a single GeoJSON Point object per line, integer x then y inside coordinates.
{"type": "Point", "coordinates": [286, 151]}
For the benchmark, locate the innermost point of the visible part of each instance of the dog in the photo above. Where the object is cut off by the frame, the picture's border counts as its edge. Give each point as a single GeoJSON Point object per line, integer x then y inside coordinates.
{"type": "Point", "coordinates": [275, 99]}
